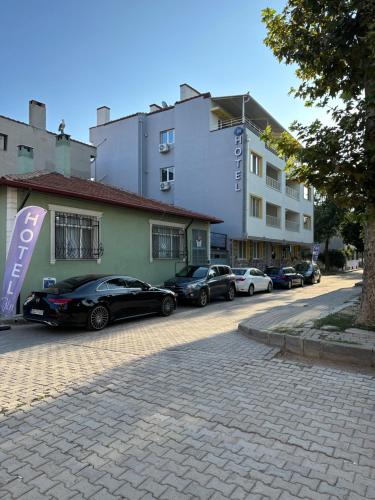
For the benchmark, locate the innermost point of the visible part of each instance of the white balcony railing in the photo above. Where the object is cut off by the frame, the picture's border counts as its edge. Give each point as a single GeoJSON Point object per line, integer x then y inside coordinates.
{"type": "Point", "coordinates": [273, 183]}
{"type": "Point", "coordinates": [291, 225]}
{"type": "Point", "coordinates": [273, 221]}
{"type": "Point", "coordinates": [292, 192]}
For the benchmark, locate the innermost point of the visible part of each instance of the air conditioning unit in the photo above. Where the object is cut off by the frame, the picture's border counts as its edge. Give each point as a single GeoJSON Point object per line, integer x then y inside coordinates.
{"type": "Point", "coordinates": [165, 186]}
{"type": "Point", "coordinates": [163, 148]}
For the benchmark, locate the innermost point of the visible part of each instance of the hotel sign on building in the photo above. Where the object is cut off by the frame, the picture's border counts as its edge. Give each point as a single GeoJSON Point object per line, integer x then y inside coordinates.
{"type": "Point", "coordinates": [238, 157]}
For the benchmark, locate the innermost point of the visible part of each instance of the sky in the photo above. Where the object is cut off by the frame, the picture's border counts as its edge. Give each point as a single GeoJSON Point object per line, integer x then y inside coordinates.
{"type": "Point", "coordinates": [77, 55]}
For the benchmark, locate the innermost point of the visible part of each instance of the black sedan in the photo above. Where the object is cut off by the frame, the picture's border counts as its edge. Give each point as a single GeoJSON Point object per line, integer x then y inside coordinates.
{"type": "Point", "coordinates": [284, 277]}
{"type": "Point", "coordinates": [310, 272]}
{"type": "Point", "coordinates": [94, 301]}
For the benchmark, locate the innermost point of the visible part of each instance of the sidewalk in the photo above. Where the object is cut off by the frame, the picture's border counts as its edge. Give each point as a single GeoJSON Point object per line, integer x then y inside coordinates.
{"type": "Point", "coordinates": [295, 328]}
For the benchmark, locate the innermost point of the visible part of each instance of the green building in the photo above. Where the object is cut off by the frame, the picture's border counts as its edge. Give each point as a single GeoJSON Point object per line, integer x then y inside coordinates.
{"type": "Point", "coordinates": [91, 227]}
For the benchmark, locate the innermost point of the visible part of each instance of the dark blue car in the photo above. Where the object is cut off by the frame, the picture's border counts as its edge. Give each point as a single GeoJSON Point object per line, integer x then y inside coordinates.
{"type": "Point", "coordinates": [284, 277]}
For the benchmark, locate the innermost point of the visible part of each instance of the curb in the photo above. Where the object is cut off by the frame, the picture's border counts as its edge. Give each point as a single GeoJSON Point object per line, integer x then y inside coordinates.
{"type": "Point", "coordinates": [309, 348]}
{"type": "Point", "coordinates": [14, 320]}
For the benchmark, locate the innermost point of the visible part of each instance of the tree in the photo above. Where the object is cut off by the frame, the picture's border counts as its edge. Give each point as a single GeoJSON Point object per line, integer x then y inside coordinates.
{"type": "Point", "coordinates": [327, 220]}
{"type": "Point", "coordinates": [332, 42]}
{"type": "Point", "coordinates": [351, 230]}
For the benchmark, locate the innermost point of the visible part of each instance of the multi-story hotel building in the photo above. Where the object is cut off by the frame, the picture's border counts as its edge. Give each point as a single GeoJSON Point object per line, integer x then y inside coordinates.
{"type": "Point", "coordinates": [205, 153]}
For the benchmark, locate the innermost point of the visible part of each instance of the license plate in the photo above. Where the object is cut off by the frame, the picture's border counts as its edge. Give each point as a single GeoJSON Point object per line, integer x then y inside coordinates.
{"type": "Point", "coordinates": [38, 312]}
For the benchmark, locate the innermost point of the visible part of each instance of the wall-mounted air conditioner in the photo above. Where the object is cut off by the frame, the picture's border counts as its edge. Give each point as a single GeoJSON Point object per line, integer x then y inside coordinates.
{"type": "Point", "coordinates": [163, 148]}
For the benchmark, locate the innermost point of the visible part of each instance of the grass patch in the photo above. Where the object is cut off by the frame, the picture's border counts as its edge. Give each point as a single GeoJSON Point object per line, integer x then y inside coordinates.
{"type": "Point", "coordinates": [342, 321]}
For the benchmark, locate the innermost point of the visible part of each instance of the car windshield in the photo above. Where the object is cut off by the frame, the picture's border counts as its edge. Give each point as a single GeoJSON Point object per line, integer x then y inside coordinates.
{"type": "Point", "coordinates": [239, 272]}
{"type": "Point", "coordinates": [193, 272]}
{"type": "Point", "coordinates": [272, 271]}
{"type": "Point", "coordinates": [302, 266]}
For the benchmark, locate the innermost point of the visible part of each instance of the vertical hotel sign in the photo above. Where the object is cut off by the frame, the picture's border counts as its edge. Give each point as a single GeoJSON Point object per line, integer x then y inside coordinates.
{"type": "Point", "coordinates": [25, 233]}
{"type": "Point", "coordinates": [238, 157]}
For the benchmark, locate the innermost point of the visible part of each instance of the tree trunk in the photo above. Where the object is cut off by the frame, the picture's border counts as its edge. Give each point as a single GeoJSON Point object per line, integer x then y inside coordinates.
{"type": "Point", "coordinates": [326, 255]}
{"type": "Point", "coordinates": [367, 310]}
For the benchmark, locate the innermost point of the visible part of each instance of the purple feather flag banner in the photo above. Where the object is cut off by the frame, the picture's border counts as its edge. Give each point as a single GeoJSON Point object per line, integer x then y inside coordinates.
{"type": "Point", "coordinates": [25, 234]}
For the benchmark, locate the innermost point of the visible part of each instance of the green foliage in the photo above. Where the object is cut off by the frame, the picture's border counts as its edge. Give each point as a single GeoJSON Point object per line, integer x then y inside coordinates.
{"type": "Point", "coordinates": [336, 258]}
{"type": "Point", "coordinates": [333, 44]}
{"type": "Point", "coordinates": [352, 229]}
{"type": "Point", "coordinates": [327, 219]}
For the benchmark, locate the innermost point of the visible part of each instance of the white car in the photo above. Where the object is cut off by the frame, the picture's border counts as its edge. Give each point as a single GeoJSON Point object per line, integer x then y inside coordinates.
{"type": "Point", "coordinates": [251, 279]}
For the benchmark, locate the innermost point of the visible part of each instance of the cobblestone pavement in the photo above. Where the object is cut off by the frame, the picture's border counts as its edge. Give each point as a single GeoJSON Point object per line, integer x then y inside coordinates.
{"type": "Point", "coordinates": [183, 407]}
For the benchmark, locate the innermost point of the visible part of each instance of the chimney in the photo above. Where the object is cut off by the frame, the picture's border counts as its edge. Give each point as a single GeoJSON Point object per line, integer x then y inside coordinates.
{"type": "Point", "coordinates": [103, 115]}
{"type": "Point", "coordinates": [25, 159]}
{"type": "Point", "coordinates": [63, 159]}
{"type": "Point", "coordinates": [186, 92]}
{"type": "Point", "coordinates": [154, 107]}
{"type": "Point", "coordinates": [37, 114]}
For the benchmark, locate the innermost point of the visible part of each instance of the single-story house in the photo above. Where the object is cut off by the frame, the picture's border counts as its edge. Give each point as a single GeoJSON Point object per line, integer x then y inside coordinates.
{"type": "Point", "coordinates": [91, 227]}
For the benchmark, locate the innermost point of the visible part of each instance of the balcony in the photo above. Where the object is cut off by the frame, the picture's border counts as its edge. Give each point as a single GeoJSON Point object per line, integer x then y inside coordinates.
{"type": "Point", "coordinates": [273, 221]}
{"type": "Point", "coordinates": [292, 192]}
{"type": "Point", "coordinates": [273, 183]}
{"type": "Point", "coordinates": [291, 225]}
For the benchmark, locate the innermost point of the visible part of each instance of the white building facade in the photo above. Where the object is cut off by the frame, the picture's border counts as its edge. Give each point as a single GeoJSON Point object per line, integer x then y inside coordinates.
{"type": "Point", "coordinates": [29, 147]}
{"type": "Point", "coordinates": [205, 153]}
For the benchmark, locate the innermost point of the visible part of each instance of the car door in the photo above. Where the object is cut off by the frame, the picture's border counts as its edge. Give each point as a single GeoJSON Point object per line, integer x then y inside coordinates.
{"type": "Point", "coordinates": [143, 299]}
{"type": "Point", "coordinates": [224, 271]}
{"type": "Point", "coordinates": [114, 292]}
{"type": "Point", "coordinates": [213, 281]}
{"type": "Point", "coordinates": [262, 282]}
{"type": "Point", "coordinates": [296, 280]}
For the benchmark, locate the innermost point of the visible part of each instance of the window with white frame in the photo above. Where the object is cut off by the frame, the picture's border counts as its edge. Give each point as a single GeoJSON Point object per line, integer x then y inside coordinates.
{"type": "Point", "coordinates": [255, 207]}
{"type": "Point", "coordinates": [255, 164]}
{"type": "Point", "coordinates": [307, 193]}
{"type": "Point", "coordinates": [167, 136]}
{"type": "Point", "coordinates": [168, 242]}
{"type": "Point", "coordinates": [3, 142]}
{"type": "Point", "coordinates": [306, 222]}
{"type": "Point", "coordinates": [167, 174]}
{"type": "Point", "coordinates": [242, 250]}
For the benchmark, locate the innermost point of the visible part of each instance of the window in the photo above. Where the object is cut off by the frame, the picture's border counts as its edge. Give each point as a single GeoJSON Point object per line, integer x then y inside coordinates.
{"type": "Point", "coordinates": [242, 249]}
{"type": "Point", "coordinates": [76, 236]}
{"type": "Point", "coordinates": [213, 272]}
{"type": "Point", "coordinates": [255, 207]}
{"type": "Point", "coordinates": [133, 283]}
{"type": "Point", "coordinates": [168, 242]}
{"type": "Point", "coordinates": [256, 164]}
{"type": "Point", "coordinates": [224, 270]}
{"type": "Point", "coordinates": [306, 222]}
{"type": "Point", "coordinates": [307, 193]}
{"type": "Point", "coordinates": [3, 142]}
{"type": "Point", "coordinates": [116, 284]}
{"type": "Point", "coordinates": [257, 254]}
{"type": "Point", "coordinates": [199, 245]}
{"type": "Point", "coordinates": [167, 136]}
{"type": "Point", "coordinates": [167, 174]}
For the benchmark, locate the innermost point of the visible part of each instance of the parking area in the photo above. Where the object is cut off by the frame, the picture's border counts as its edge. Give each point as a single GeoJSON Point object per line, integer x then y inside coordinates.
{"type": "Point", "coordinates": [183, 407]}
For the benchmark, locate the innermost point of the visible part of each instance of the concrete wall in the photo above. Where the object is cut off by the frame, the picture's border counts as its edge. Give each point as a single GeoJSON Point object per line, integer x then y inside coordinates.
{"type": "Point", "coordinates": [44, 144]}
{"type": "Point", "coordinates": [126, 253]}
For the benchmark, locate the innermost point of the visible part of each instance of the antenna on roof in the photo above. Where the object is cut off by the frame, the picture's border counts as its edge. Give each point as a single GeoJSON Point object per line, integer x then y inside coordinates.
{"type": "Point", "coordinates": [164, 104]}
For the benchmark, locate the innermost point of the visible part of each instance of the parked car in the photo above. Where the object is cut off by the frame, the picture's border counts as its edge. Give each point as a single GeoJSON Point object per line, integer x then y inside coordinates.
{"type": "Point", "coordinates": [310, 272]}
{"type": "Point", "coordinates": [200, 284]}
{"type": "Point", "coordinates": [96, 300]}
{"type": "Point", "coordinates": [285, 277]}
{"type": "Point", "coordinates": [251, 279]}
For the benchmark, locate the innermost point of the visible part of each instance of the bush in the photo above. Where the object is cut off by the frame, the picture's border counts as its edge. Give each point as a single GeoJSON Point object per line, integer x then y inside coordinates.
{"type": "Point", "coordinates": [336, 258]}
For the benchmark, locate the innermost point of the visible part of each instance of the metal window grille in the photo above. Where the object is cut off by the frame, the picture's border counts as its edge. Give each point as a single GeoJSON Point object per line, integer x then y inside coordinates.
{"type": "Point", "coordinates": [168, 242]}
{"type": "Point", "coordinates": [76, 237]}
{"type": "Point", "coordinates": [199, 247]}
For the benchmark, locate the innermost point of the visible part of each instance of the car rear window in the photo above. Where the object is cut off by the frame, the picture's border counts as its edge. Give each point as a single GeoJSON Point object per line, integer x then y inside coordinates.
{"type": "Point", "coordinates": [71, 284]}
{"type": "Point", "coordinates": [303, 266]}
{"type": "Point", "coordinates": [239, 272]}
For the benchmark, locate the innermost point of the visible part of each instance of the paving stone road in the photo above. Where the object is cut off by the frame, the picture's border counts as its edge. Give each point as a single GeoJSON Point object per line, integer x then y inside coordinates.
{"type": "Point", "coordinates": [183, 407]}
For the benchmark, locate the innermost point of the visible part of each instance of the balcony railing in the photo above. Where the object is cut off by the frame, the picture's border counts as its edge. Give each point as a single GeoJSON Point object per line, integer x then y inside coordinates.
{"type": "Point", "coordinates": [291, 225]}
{"type": "Point", "coordinates": [273, 183]}
{"type": "Point", "coordinates": [273, 221]}
{"type": "Point", "coordinates": [292, 192]}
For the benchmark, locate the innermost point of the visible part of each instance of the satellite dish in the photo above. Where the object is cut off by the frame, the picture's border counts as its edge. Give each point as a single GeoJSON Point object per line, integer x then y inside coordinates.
{"type": "Point", "coordinates": [164, 104]}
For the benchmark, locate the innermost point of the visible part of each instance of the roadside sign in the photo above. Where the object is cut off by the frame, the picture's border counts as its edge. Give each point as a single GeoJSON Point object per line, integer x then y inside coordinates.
{"type": "Point", "coordinates": [315, 252]}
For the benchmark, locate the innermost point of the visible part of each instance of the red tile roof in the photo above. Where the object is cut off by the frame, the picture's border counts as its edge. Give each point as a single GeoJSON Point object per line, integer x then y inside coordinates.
{"type": "Point", "coordinates": [51, 182]}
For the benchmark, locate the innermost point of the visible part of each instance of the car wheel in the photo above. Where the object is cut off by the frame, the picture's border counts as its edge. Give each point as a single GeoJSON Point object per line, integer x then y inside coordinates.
{"type": "Point", "coordinates": [230, 293]}
{"type": "Point", "coordinates": [269, 288]}
{"type": "Point", "coordinates": [289, 285]}
{"type": "Point", "coordinates": [202, 298]}
{"type": "Point", "coordinates": [167, 306]}
{"type": "Point", "coordinates": [98, 318]}
{"type": "Point", "coordinates": [250, 291]}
